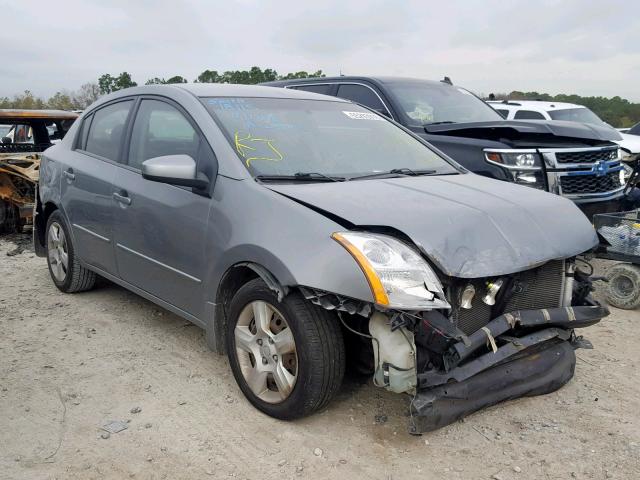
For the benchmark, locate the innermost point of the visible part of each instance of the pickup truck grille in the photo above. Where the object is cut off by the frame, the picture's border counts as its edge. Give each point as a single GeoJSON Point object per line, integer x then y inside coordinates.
{"type": "Point", "coordinates": [590, 183]}
{"type": "Point", "coordinates": [536, 288]}
{"type": "Point", "coordinates": [587, 156]}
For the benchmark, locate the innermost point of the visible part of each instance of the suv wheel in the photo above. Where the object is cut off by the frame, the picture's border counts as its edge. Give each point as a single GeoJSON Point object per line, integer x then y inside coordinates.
{"type": "Point", "coordinates": [66, 272]}
{"type": "Point", "coordinates": [287, 357]}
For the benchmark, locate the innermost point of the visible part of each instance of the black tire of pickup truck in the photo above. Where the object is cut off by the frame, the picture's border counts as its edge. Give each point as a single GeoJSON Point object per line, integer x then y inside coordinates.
{"type": "Point", "coordinates": [623, 289]}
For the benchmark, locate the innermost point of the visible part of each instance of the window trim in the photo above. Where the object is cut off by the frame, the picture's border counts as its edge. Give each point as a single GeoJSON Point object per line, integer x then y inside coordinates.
{"type": "Point", "coordinates": [125, 127]}
{"type": "Point", "coordinates": [338, 83]}
{"type": "Point", "coordinates": [187, 116]}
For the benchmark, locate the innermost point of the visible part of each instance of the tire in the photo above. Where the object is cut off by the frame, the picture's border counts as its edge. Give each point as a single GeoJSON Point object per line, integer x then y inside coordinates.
{"type": "Point", "coordinates": [623, 289]}
{"type": "Point", "coordinates": [318, 348]}
{"type": "Point", "coordinates": [70, 277]}
{"type": "Point", "coordinates": [9, 217]}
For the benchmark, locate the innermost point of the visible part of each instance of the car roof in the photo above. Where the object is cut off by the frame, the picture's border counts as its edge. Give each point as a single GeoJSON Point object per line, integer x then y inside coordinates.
{"type": "Point", "coordinates": [388, 80]}
{"type": "Point", "coordinates": [14, 114]}
{"type": "Point", "coordinates": [535, 104]}
{"type": "Point", "coordinates": [226, 90]}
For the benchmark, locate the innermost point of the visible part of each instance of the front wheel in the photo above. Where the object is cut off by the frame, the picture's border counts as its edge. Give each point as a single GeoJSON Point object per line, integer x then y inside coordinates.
{"type": "Point", "coordinates": [287, 357]}
{"type": "Point", "coordinates": [623, 289]}
{"type": "Point", "coordinates": [65, 269]}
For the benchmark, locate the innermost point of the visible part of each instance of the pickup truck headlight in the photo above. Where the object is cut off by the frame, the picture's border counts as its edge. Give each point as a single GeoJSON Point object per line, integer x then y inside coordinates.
{"type": "Point", "coordinates": [523, 166]}
{"type": "Point", "coordinates": [398, 276]}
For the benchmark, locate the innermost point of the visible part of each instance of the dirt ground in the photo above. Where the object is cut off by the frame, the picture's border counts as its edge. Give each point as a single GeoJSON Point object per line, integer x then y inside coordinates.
{"type": "Point", "coordinates": [70, 364]}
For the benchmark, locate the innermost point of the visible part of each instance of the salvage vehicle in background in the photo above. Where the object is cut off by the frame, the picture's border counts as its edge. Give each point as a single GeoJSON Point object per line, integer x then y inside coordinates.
{"type": "Point", "coordinates": [568, 112]}
{"type": "Point", "coordinates": [579, 162]}
{"type": "Point", "coordinates": [24, 135]}
{"type": "Point", "coordinates": [301, 230]}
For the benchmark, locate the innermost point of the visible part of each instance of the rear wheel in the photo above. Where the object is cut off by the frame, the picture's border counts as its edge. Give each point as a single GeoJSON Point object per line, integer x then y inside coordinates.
{"type": "Point", "coordinates": [287, 357]}
{"type": "Point", "coordinates": [65, 269]}
{"type": "Point", "coordinates": [623, 289]}
{"type": "Point", "coordinates": [9, 217]}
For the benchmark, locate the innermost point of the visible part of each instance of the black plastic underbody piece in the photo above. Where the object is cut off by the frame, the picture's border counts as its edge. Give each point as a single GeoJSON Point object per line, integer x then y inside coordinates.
{"type": "Point", "coordinates": [544, 370]}
{"type": "Point", "coordinates": [562, 317]}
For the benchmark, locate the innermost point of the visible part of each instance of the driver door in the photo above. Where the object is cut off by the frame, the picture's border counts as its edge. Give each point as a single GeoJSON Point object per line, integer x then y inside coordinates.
{"type": "Point", "coordinates": [160, 229]}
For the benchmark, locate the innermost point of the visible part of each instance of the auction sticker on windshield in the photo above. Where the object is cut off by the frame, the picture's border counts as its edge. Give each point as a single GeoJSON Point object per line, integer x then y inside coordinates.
{"type": "Point", "coordinates": [362, 115]}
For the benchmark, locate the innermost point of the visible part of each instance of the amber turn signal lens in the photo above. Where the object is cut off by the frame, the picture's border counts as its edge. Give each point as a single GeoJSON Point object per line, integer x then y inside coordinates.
{"type": "Point", "coordinates": [494, 157]}
{"type": "Point", "coordinates": [377, 289]}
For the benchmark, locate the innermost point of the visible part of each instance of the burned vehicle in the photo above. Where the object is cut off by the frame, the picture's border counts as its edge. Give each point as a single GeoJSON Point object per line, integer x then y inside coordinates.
{"type": "Point", "coordinates": [577, 161]}
{"type": "Point", "coordinates": [25, 134]}
{"type": "Point", "coordinates": [305, 232]}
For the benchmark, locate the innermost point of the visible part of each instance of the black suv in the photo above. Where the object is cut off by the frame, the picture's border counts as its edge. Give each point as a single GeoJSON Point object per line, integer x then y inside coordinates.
{"type": "Point", "coordinates": [575, 160]}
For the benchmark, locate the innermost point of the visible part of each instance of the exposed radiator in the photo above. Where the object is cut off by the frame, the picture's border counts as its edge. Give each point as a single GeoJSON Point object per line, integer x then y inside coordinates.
{"type": "Point", "coordinates": [537, 288]}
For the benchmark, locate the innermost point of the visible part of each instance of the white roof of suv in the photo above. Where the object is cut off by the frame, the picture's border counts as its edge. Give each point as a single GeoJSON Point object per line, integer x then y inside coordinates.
{"type": "Point", "coordinates": [536, 105]}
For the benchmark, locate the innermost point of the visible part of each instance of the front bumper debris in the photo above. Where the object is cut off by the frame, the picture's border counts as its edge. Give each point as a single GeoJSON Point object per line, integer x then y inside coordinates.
{"type": "Point", "coordinates": [538, 373]}
{"type": "Point", "coordinates": [530, 353]}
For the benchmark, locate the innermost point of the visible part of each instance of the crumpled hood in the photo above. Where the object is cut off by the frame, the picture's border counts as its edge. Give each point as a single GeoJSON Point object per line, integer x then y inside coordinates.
{"type": "Point", "coordinates": [469, 226]}
{"type": "Point", "coordinates": [520, 128]}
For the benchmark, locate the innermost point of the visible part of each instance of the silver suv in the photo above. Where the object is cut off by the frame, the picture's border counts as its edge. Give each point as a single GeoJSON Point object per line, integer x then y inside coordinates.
{"type": "Point", "coordinates": [301, 231]}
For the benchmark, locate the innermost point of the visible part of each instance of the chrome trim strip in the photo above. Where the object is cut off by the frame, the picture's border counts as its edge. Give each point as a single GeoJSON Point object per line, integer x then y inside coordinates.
{"type": "Point", "coordinates": [160, 264]}
{"type": "Point", "coordinates": [338, 83]}
{"type": "Point", "coordinates": [94, 234]}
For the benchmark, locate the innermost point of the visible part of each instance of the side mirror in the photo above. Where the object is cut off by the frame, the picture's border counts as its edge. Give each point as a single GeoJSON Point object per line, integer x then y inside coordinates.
{"type": "Point", "coordinates": [6, 140]}
{"type": "Point", "coordinates": [174, 170]}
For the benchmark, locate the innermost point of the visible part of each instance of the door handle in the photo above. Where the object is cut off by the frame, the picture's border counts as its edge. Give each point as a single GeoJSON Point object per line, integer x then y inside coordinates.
{"type": "Point", "coordinates": [122, 198]}
{"type": "Point", "coordinates": [69, 174]}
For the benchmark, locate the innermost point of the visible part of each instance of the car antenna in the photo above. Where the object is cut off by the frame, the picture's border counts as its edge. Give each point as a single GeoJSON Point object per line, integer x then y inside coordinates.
{"type": "Point", "coordinates": [447, 80]}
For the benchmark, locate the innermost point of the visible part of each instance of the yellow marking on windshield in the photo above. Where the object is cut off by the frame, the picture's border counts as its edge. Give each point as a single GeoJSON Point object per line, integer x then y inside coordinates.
{"type": "Point", "coordinates": [246, 150]}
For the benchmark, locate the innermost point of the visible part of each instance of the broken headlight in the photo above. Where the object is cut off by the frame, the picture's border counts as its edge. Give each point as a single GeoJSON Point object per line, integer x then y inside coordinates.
{"type": "Point", "coordinates": [524, 167]}
{"type": "Point", "coordinates": [398, 276]}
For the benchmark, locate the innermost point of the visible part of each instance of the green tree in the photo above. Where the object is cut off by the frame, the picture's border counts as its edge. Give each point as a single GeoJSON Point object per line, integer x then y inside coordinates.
{"type": "Point", "coordinates": [109, 83]}
{"type": "Point", "coordinates": [155, 81]}
{"type": "Point", "coordinates": [177, 79]}
{"type": "Point", "coordinates": [61, 101]}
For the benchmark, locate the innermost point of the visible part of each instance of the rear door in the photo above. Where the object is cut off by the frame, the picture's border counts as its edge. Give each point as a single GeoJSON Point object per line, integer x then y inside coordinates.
{"type": "Point", "coordinates": [160, 229]}
{"type": "Point", "coordinates": [86, 184]}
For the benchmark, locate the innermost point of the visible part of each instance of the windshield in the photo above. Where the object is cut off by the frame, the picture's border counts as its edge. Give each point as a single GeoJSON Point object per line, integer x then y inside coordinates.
{"type": "Point", "coordinates": [583, 115]}
{"type": "Point", "coordinates": [425, 103]}
{"type": "Point", "coordinates": [275, 136]}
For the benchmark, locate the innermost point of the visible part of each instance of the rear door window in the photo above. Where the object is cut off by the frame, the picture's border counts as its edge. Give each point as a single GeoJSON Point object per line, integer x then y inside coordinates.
{"type": "Point", "coordinates": [324, 88]}
{"type": "Point", "coordinates": [528, 115]}
{"type": "Point", "coordinates": [161, 129]}
{"type": "Point", "coordinates": [362, 95]}
{"type": "Point", "coordinates": [107, 130]}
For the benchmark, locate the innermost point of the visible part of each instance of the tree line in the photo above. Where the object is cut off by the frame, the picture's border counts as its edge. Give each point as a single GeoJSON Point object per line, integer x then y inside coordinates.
{"type": "Point", "coordinates": [616, 111]}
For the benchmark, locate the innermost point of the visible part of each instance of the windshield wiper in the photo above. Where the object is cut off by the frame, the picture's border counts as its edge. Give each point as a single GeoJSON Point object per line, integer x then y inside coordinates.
{"type": "Point", "coordinates": [395, 172]}
{"type": "Point", "coordinates": [300, 177]}
{"type": "Point", "coordinates": [438, 123]}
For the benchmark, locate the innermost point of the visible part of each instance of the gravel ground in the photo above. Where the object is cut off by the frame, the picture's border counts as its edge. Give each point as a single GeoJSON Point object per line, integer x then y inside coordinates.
{"type": "Point", "coordinates": [71, 364]}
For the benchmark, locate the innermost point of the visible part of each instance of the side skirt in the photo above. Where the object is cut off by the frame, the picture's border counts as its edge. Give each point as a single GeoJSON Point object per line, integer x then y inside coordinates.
{"type": "Point", "coordinates": [147, 295]}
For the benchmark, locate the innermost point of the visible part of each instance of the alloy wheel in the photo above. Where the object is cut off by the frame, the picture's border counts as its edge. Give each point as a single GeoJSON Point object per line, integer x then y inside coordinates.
{"type": "Point", "coordinates": [266, 352]}
{"type": "Point", "coordinates": [57, 252]}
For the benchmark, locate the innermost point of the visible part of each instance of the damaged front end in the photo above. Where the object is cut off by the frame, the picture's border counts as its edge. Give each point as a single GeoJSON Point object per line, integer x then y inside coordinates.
{"type": "Point", "coordinates": [482, 341]}
{"type": "Point", "coordinates": [18, 179]}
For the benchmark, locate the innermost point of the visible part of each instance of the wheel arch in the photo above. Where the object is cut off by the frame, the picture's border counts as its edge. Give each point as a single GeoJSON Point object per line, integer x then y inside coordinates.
{"type": "Point", "coordinates": [231, 281]}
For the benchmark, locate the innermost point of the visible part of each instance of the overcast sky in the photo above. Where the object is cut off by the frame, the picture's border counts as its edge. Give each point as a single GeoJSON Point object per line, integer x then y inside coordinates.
{"type": "Point", "coordinates": [588, 47]}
